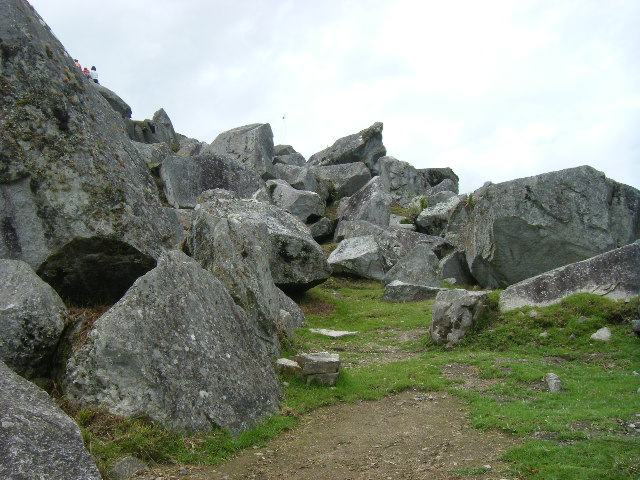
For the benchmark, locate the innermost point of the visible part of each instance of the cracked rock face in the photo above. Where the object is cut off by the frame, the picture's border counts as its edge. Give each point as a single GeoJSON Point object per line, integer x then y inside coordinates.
{"type": "Point", "coordinates": [177, 348]}
{"type": "Point", "coordinates": [519, 229]}
{"type": "Point", "coordinates": [38, 440]}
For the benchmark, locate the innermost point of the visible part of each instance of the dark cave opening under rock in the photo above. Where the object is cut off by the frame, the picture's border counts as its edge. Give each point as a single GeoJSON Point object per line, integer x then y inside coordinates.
{"type": "Point", "coordinates": [95, 270]}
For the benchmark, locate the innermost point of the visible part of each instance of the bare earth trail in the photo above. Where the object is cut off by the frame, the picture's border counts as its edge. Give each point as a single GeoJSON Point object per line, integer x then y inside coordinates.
{"type": "Point", "coordinates": [412, 435]}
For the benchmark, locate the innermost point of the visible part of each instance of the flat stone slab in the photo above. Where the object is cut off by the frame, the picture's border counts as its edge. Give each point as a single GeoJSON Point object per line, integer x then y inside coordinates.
{"type": "Point", "coordinates": [332, 333]}
{"type": "Point", "coordinates": [289, 368]}
{"type": "Point", "coordinates": [321, 362]}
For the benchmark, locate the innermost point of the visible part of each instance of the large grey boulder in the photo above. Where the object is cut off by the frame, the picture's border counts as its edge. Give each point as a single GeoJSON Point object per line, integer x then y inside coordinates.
{"type": "Point", "coordinates": [395, 242]}
{"type": "Point", "coordinates": [360, 257]}
{"type": "Point", "coordinates": [435, 177]}
{"type": "Point", "coordinates": [322, 229]}
{"type": "Point", "coordinates": [433, 220]}
{"type": "Point", "coordinates": [178, 349]}
{"type": "Point", "coordinates": [371, 203]}
{"type": "Point", "coordinates": [403, 180]}
{"type": "Point", "coordinates": [454, 267]}
{"type": "Point", "coordinates": [418, 267]}
{"type": "Point", "coordinates": [186, 178]}
{"type": "Point", "coordinates": [304, 205]}
{"type": "Point", "coordinates": [615, 274]}
{"type": "Point", "coordinates": [296, 260]}
{"type": "Point", "coordinates": [399, 292]}
{"type": "Point", "coordinates": [68, 169]}
{"type": "Point", "coordinates": [163, 128]}
{"type": "Point", "coordinates": [519, 229]}
{"type": "Point", "coordinates": [38, 440]}
{"type": "Point", "coordinates": [300, 178]}
{"type": "Point", "coordinates": [237, 254]}
{"type": "Point", "coordinates": [250, 144]}
{"type": "Point", "coordinates": [286, 155]}
{"type": "Point", "coordinates": [454, 313]}
{"type": "Point", "coordinates": [342, 180]}
{"type": "Point", "coordinates": [119, 105]}
{"type": "Point", "coordinates": [31, 319]}
{"type": "Point", "coordinates": [365, 146]}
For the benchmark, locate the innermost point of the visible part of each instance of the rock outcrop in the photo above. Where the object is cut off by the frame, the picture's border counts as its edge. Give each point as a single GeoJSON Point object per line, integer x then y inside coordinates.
{"type": "Point", "coordinates": [304, 205]}
{"type": "Point", "coordinates": [68, 170]}
{"type": "Point", "coordinates": [615, 274]}
{"type": "Point", "coordinates": [31, 319]}
{"type": "Point", "coordinates": [250, 144]}
{"type": "Point", "coordinates": [177, 348]}
{"type": "Point", "coordinates": [186, 178]}
{"type": "Point", "coordinates": [371, 203]}
{"type": "Point", "coordinates": [297, 262]}
{"type": "Point", "coordinates": [343, 180]}
{"type": "Point", "coordinates": [38, 440]}
{"type": "Point", "coordinates": [519, 229]}
{"type": "Point", "coordinates": [365, 146]}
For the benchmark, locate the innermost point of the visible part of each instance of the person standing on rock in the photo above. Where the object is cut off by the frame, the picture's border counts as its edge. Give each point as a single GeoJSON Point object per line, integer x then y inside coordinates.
{"type": "Point", "coordinates": [77, 63]}
{"type": "Point", "coordinates": [86, 72]}
{"type": "Point", "coordinates": [94, 74]}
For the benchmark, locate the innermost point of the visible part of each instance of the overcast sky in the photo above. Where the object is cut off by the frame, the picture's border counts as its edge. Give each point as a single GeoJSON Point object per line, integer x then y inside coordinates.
{"type": "Point", "coordinates": [495, 89]}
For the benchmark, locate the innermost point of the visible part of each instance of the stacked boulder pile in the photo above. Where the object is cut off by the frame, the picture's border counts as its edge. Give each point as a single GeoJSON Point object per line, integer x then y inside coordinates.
{"type": "Point", "coordinates": [191, 250]}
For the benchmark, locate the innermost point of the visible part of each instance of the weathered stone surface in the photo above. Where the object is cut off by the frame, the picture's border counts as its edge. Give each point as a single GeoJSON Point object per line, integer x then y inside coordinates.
{"type": "Point", "coordinates": [403, 180]}
{"type": "Point", "coordinates": [300, 178]}
{"type": "Point", "coordinates": [342, 180]}
{"type": "Point", "coordinates": [635, 327]}
{"type": "Point", "coordinates": [554, 384]}
{"type": "Point", "coordinates": [419, 267]}
{"type": "Point", "coordinates": [286, 155]}
{"type": "Point", "coordinates": [360, 257]}
{"type": "Point", "coordinates": [38, 440]}
{"type": "Point", "coordinates": [434, 220]}
{"type": "Point", "coordinates": [323, 379]}
{"type": "Point", "coordinates": [454, 267]}
{"type": "Point", "coordinates": [238, 253]}
{"type": "Point", "coordinates": [454, 313]}
{"type": "Point", "coordinates": [119, 105]}
{"type": "Point", "coordinates": [163, 128]}
{"type": "Point", "coordinates": [186, 178]}
{"type": "Point", "coordinates": [250, 144]}
{"type": "Point", "coordinates": [68, 168]}
{"type": "Point", "coordinates": [603, 334]}
{"type": "Point", "coordinates": [332, 333]}
{"type": "Point", "coordinates": [398, 291]}
{"type": "Point", "coordinates": [322, 229]}
{"type": "Point", "coordinates": [291, 317]}
{"type": "Point", "coordinates": [435, 176]}
{"type": "Point", "coordinates": [615, 274]}
{"type": "Point", "coordinates": [524, 227]}
{"type": "Point", "coordinates": [365, 146]}
{"type": "Point", "coordinates": [297, 262]}
{"type": "Point", "coordinates": [320, 362]}
{"type": "Point", "coordinates": [177, 348]}
{"type": "Point", "coordinates": [371, 203]}
{"type": "Point", "coordinates": [288, 368]}
{"type": "Point", "coordinates": [190, 147]}
{"type": "Point", "coordinates": [126, 467]}
{"type": "Point", "coordinates": [153, 154]}
{"type": "Point", "coordinates": [394, 242]}
{"type": "Point", "coordinates": [304, 205]}
{"type": "Point", "coordinates": [31, 319]}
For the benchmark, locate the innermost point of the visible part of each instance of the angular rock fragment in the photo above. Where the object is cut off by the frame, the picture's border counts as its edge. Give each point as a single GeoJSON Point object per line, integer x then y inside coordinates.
{"type": "Point", "coordinates": [454, 313]}
{"type": "Point", "coordinates": [342, 180]}
{"type": "Point", "coordinates": [302, 204]}
{"type": "Point", "coordinates": [178, 349]}
{"type": "Point", "coordinates": [397, 291]}
{"type": "Point", "coordinates": [371, 203]}
{"type": "Point", "coordinates": [359, 256]}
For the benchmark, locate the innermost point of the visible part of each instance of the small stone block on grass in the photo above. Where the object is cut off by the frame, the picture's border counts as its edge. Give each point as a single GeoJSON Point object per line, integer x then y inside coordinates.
{"type": "Point", "coordinates": [324, 379]}
{"type": "Point", "coordinates": [321, 362]}
{"type": "Point", "coordinates": [288, 368]}
{"type": "Point", "coordinates": [126, 467]}
{"type": "Point", "coordinates": [553, 382]}
{"type": "Point", "coordinates": [332, 333]}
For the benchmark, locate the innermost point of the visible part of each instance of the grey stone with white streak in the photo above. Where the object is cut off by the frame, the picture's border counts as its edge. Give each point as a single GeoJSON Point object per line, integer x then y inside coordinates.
{"type": "Point", "coordinates": [296, 260]}
{"type": "Point", "coordinates": [397, 291]}
{"type": "Point", "coordinates": [39, 441]}
{"type": "Point", "coordinates": [31, 319]}
{"type": "Point", "coordinates": [614, 274]}
{"type": "Point", "coordinates": [518, 229]}
{"type": "Point", "coordinates": [302, 204]}
{"type": "Point", "coordinates": [454, 313]}
{"type": "Point", "coordinates": [178, 349]}
{"type": "Point", "coordinates": [365, 146]}
{"type": "Point", "coordinates": [371, 203]}
{"type": "Point", "coordinates": [251, 145]}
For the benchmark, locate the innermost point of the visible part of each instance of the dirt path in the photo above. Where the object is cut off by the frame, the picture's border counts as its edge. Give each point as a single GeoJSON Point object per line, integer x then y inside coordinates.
{"type": "Point", "coordinates": [412, 435]}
